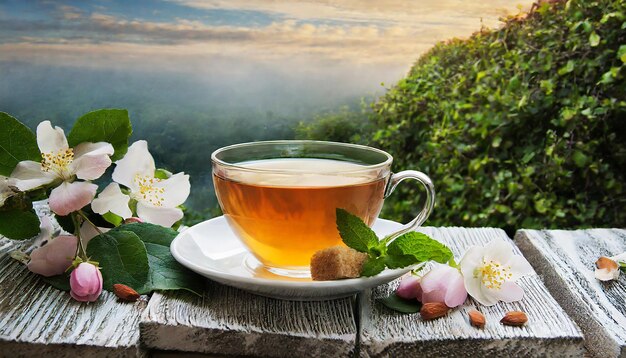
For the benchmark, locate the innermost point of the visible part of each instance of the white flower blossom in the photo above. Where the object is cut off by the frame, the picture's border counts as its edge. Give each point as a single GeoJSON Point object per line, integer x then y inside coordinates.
{"type": "Point", "coordinates": [61, 166]}
{"type": "Point", "coordinates": [157, 199]}
{"type": "Point", "coordinates": [490, 273]}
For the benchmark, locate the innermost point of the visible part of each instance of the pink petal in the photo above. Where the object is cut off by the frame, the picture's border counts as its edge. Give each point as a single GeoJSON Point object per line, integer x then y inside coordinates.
{"type": "Point", "coordinates": [91, 167]}
{"type": "Point", "coordinates": [434, 296]}
{"type": "Point", "coordinates": [456, 294]}
{"type": "Point", "coordinates": [69, 197]}
{"type": "Point", "coordinates": [409, 288]}
{"type": "Point", "coordinates": [509, 292]}
{"type": "Point", "coordinates": [54, 257]}
{"type": "Point", "coordinates": [437, 278]}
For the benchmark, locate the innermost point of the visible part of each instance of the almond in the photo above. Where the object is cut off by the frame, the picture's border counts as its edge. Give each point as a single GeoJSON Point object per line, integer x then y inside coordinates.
{"type": "Point", "coordinates": [433, 310]}
{"type": "Point", "coordinates": [477, 319]}
{"type": "Point", "coordinates": [606, 263]}
{"type": "Point", "coordinates": [125, 293]}
{"type": "Point", "coordinates": [514, 318]}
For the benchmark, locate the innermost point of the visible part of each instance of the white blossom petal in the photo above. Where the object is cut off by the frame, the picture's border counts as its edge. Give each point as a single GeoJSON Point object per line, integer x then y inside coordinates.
{"type": "Point", "coordinates": [176, 191]}
{"type": "Point", "coordinates": [519, 267]}
{"type": "Point", "coordinates": [28, 175]}
{"type": "Point", "coordinates": [159, 215]}
{"type": "Point", "coordinates": [50, 140]}
{"type": "Point", "coordinates": [499, 251]}
{"type": "Point", "coordinates": [69, 197]}
{"type": "Point", "coordinates": [137, 161]}
{"type": "Point", "coordinates": [93, 149]}
{"type": "Point", "coordinates": [509, 292]}
{"type": "Point", "coordinates": [111, 199]}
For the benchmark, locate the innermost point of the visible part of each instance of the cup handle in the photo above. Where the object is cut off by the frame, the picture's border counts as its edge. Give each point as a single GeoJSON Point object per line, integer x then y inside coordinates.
{"type": "Point", "coordinates": [428, 205]}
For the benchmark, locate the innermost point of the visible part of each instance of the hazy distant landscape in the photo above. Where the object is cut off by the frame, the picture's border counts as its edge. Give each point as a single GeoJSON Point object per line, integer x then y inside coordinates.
{"type": "Point", "coordinates": [196, 76]}
{"type": "Point", "coordinates": [183, 118]}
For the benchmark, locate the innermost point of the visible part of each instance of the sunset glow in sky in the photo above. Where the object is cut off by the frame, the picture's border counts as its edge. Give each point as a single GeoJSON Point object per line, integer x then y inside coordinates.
{"type": "Point", "coordinates": [194, 35]}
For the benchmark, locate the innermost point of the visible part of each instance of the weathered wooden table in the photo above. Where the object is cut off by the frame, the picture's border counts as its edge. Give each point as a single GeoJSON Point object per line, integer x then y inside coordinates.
{"type": "Point", "coordinates": [35, 318]}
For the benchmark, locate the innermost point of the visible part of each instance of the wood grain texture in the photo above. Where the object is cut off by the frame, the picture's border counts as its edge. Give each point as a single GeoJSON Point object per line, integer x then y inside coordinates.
{"type": "Point", "coordinates": [566, 260]}
{"type": "Point", "coordinates": [230, 321]}
{"type": "Point", "coordinates": [37, 319]}
{"type": "Point", "coordinates": [549, 331]}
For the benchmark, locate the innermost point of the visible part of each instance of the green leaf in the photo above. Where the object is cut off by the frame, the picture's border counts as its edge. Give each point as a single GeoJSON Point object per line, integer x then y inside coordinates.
{"type": "Point", "coordinates": [19, 225]}
{"type": "Point", "coordinates": [621, 53]}
{"type": "Point", "coordinates": [60, 282]}
{"type": "Point", "coordinates": [104, 125]}
{"type": "Point", "coordinates": [594, 39]}
{"type": "Point", "coordinates": [373, 266]}
{"type": "Point", "coordinates": [355, 233]}
{"type": "Point", "coordinates": [17, 143]}
{"type": "Point", "coordinates": [122, 257]}
{"type": "Point", "coordinates": [569, 67]}
{"type": "Point", "coordinates": [580, 159]}
{"type": "Point", "coordinates": [418, 246]}
{"type": "Point", "coordinates": [165, 272]}
{"type": "Point", "coordinates": [162, 173]}
{"type": "Point", "coordinates": [399, 304]}
{"type": "Point", "coordinates": [112, 218]}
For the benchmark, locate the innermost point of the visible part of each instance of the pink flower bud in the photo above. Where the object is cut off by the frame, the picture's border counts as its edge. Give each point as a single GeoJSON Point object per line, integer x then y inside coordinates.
{"type": "Point", "coordinates": [133, 220]}
{"type": "Point", "coordinates": [86, 282]}
{"type": "Point", "coordinates": [443, 284]}
{"type": "Point", "coordinates": [410, 288]}
{"type": "Point", "coordinates": [54, 257]}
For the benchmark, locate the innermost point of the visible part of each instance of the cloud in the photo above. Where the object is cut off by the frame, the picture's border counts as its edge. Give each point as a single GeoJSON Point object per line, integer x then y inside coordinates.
{"type": "Point", "coordinates": [355, 32]}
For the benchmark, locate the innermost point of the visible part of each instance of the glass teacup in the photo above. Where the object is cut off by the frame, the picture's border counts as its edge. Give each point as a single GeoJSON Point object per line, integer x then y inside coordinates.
{"type": "Point", "coordinates": [280, 197]}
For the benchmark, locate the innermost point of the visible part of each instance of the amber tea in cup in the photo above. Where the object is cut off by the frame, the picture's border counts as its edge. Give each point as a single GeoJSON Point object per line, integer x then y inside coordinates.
{"type": "Point", "coordinates": [280, 198]}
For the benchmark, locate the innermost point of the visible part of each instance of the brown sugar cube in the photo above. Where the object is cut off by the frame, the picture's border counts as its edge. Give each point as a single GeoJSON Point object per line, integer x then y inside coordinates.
{"type": "Point", "coordinates": [337, 262]}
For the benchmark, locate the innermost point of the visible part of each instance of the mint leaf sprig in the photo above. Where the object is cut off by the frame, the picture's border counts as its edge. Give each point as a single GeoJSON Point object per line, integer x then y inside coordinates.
{"type": "Point", "coordinates": [408, 249]}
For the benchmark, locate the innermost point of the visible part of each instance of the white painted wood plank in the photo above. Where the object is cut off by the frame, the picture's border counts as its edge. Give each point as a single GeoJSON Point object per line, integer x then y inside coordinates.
{"type": "Point", "coordinates": [230, 321]}
{"type": "Point", "coordinates": [549, 332]}
{"type": "Point", "coordinates": [38, 319]}
{"type": "Point", "coordinates": [566, 260]}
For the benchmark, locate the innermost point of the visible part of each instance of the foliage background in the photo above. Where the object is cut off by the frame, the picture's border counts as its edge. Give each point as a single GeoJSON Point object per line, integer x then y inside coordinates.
{"type": "Point", "coordinates": [523, 126]}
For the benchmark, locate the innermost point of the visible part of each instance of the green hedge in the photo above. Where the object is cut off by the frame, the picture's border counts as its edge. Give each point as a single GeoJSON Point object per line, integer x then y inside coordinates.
{"type": "Point", "coordinates": [518, 127]}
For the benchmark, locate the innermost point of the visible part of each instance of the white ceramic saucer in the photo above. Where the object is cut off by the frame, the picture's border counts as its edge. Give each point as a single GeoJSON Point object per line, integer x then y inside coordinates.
{"type": "Point", "coordinates": [212, 250]}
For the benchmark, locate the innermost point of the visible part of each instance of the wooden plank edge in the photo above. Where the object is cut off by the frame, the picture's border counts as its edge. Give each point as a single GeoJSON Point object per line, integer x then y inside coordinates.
{"type": "Point", "coordinates": [28, 349]}
{"type": "Point", "coordinates": [596, 339]}
{"type": "Point", "coordinates": [159, 336]}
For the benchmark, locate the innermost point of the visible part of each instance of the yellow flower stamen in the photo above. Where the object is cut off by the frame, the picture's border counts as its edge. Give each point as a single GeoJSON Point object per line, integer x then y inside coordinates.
{"type": "Point", "coordinates": [493, 275]}
{"type": "Point", "coordinates": [148, 191]}
{"type": "Point", "coordinates": [58, 163]}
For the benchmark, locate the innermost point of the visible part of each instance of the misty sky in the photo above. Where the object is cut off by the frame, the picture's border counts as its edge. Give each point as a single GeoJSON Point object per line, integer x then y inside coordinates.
{"type": "Point", "coordinates": [360, 42]}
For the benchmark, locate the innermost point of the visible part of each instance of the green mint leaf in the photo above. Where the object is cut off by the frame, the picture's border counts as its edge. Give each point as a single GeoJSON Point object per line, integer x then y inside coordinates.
{"type": "Point", "coordinates": [399, 261]}
{"type": "Point", "coordinates": [356, 234]}
{"type": "Point", "coordinates": [104, 125]}
{"type": "Point", "coordinates": [622, 266]}
{"type": "Point", "coordinates": [17, 143]}
{"type": "Point", "coordinates": [60, 282]}
{"type": "Point", "coordinates": [19, 224]}
{"type": "Point", "coordinates": [122, 257]}
{"type": "Point", "coordinates": [399, 304]}
{"type": "Point", "coordinates": [417, 247]}
{"type": "Point", "coordinates": [373, 266]}
{"type": "Point", "coordinates": [165, 272]}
